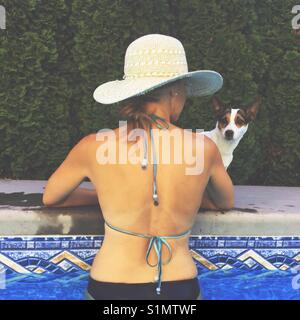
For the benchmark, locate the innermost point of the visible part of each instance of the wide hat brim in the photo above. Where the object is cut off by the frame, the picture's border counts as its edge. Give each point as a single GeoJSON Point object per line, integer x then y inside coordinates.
{"type": "Point", "coordinates": [199, 83]}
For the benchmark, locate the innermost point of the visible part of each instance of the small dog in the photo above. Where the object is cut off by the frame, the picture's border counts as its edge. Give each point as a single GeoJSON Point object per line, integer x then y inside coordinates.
{"type": "Point", "coordinates": [231, 126]}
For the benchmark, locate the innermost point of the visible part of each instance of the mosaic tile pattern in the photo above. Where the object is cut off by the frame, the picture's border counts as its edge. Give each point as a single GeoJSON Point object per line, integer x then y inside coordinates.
{"type": "Point", "coordinates": [66, 254]}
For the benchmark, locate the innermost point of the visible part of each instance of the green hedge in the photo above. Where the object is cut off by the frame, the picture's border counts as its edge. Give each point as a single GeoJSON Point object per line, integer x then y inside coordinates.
{"type": "Point", "coordinates": [35, 92]}
{"type": "Point", "coordinates": [54, 53]}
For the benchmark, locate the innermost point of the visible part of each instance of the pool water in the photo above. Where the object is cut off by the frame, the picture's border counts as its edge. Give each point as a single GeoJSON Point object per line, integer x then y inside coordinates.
{"type": "Point", "coordinates": [233, 284]}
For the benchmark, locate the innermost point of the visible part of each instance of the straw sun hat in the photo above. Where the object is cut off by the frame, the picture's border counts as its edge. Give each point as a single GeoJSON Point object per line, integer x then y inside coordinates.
{"type": "Point", "coordinates": [152, 61]}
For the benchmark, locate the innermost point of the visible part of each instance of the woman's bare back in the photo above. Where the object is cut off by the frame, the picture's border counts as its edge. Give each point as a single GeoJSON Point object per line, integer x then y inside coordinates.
{"type": "Point", "coordinates": [125, 195]}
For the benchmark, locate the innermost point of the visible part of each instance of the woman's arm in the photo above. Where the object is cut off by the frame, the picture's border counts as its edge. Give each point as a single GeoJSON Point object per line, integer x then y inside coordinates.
{"type": "Point", "coordinates": [220, 187]}
{"type": "Point", "coordinates": [60, 188]}
{"type": "Point", "coordinates": [207, 203]}
{"type": "Point", "coordinates": [219, 193]}
{"type": "Point", "coordinates": [80, 197]}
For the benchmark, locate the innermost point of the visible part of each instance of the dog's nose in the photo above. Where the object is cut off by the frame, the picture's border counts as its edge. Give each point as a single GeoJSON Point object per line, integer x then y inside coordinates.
{"type": "Point", "coordinates": [229, 134]}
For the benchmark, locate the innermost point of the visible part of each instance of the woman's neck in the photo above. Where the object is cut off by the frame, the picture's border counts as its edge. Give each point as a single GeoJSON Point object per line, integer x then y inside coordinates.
{"type": "Point", "coordinates": [159, 111]}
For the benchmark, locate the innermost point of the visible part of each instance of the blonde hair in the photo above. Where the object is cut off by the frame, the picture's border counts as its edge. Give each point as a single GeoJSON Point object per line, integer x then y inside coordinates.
{"type": "Point", "coordinates": [133, 109]}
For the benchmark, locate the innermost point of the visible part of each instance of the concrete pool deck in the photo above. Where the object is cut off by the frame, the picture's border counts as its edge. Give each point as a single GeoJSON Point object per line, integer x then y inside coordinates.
{"type": "Point", "coordinates": [258, 211]}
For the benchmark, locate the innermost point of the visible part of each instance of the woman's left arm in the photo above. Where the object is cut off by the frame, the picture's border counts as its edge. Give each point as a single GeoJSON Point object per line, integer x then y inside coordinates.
{"type": "Point", "coordinates": [60, 188]}
{"type": "Point", "coordinates": [80, 197]}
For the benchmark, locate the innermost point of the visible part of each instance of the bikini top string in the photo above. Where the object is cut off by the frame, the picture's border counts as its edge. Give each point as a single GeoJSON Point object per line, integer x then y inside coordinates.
{"type": "Point", "coordinates": [154, 120]}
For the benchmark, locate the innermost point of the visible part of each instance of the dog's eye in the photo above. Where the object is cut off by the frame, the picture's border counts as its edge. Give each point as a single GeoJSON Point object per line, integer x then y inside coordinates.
{"type": "Point", "coordinates": [223, 121]}
{"type": "Point", "coordinates": [240, 122]}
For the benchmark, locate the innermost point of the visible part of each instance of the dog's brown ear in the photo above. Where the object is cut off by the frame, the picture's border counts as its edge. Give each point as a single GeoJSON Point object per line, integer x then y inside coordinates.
{"type": "Point", "coordinates": [253, 109]}
{"type": "Point", "coordinates": [217, 105]}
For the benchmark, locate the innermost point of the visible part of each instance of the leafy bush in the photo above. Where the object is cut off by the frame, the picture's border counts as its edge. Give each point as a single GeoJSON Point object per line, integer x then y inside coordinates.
{"type": "Point", "coordinates": [53, 55]}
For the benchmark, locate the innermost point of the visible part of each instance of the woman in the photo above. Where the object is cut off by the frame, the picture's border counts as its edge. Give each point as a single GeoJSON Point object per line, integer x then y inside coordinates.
{"type": "Point", "coordinates": [148, 213]}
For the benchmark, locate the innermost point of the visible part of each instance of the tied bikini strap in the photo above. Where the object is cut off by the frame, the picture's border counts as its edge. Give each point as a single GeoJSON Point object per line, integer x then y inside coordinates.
{"type": "Point", "coordinates": [157, 242]}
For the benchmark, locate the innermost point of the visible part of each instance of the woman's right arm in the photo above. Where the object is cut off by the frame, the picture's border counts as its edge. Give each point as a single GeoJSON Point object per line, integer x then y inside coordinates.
{"type": "Point", "coordinates": [219, 188]}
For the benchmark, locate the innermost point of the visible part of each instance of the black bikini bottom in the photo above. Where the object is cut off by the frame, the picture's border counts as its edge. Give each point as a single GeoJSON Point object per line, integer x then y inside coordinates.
{"type": "Point", "coordinates": [170, 290]}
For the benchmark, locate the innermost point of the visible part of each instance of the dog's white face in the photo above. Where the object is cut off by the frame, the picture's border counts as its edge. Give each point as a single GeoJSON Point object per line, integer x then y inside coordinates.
{"type": "Point", "coordinates": [233, 123]}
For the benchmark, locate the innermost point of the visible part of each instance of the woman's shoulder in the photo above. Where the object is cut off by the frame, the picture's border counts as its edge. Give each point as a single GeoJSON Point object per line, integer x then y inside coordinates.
{"type": "Point", "coordinates": [86, 140]}
{"type": "Point", "coordinates": [209, 144]}
{"type": "Point", "coordinates": [204, 144]}
{"type": "Point", "coordinates": [97, 136]}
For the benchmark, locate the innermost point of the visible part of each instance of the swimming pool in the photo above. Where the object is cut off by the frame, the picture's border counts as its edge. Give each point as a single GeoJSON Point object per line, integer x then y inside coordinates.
{"type": "Point", "coordinates": [47, 252]}
{"type": "Point", "coordinates": [242, 268]}
{"type": "Point", "coordinates": [215, 285]}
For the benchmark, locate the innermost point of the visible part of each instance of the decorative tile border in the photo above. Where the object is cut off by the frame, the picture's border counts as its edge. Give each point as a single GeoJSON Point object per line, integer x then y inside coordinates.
{"type": "Point", "coordinates": [61, 254]}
